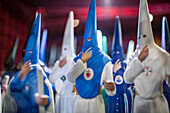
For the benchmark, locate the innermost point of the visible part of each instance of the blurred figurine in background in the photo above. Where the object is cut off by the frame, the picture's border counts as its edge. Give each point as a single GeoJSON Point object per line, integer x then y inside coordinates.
{"type": "Point", "coordinates": [43, 53]}
{"type": "Point", "coordinates": [121, 102]}
{"type": "Point", "coordinates": [65, 96]}
{"type": "Point", "coordinates": [10, 64]}
{"type": "Point", "coordinates": [90, 69]}
{"type": "Point", "coordinates": [149, 69]}
{"type": "Point", "coordinates": [165, 44]}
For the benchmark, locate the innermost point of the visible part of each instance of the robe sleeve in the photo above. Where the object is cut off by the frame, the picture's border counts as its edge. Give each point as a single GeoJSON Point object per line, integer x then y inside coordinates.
{"type": "Point", "coordinates": [76, 70]}
{"type": "Point", "coordinates": [16, 84]}
{"type": "Point", "coordinates": [56, 71]}
{"type": "Point", "coordinates": [108, 76]}
{"type": "Point", "coordinates": [133, 71]}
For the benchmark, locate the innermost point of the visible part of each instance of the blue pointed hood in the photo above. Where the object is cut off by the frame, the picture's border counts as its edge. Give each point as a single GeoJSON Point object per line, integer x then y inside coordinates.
{"type": "Point", "coordinates": [117, 45]}
{"type": "Point", "coordinates": [28, 35]}
{"type": "Point", "coordinates": [33, 45]}
{"type": "Point", "coordinates": [43, 45]}
{"type": "Point", "coordinates": [91, 29]}
{"type": "Point", "coordinates": [165, 37]}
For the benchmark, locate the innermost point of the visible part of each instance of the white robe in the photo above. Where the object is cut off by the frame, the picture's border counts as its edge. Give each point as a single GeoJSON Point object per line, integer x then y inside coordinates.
{"type": "Point", "coordinates": [64, 99]}
{"type": "Point", "coordinates": [95, 105]}
{"type": "Point", "coordinates": [148, 83]}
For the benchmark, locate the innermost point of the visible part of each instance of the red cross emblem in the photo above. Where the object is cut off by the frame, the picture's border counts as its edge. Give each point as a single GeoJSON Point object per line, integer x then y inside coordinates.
{"type": "Point", "coordinates": [148, 71]}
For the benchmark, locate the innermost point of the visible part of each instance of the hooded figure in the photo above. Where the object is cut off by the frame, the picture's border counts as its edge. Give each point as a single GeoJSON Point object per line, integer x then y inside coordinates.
{"type": "Point", "coordinates": [23, 91]}
{"type": "Point", "coordinates": [165, 44]}
{"type": "Point", "coordinates": [65, 95]}
{"type": "Point", "coordinates": [43, 52]}
{"type": "Point", "coordinates": [89, 75]}
{"type": "Point", "coordinates": [121, 102]}
{"type": "Point", "coordinates": [149, 69]}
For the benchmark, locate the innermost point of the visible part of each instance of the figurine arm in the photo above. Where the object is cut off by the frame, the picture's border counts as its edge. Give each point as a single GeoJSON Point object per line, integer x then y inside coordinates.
{"type": "Point", "coordinates": [107, 78]}
{"type": "Point", "coordinates": [78, 68]}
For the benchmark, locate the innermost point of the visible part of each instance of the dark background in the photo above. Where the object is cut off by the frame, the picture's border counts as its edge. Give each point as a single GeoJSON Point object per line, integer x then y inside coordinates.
{"type": "Point", "coordinates": [16, 17]}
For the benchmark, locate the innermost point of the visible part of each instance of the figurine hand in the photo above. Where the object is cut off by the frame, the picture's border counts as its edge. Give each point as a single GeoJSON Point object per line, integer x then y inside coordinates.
{"type": "Point", "coordinates": [117, 66]}
{"type": "Point", "coordinates": [25, 69]}
{"type": "Point", "coordinates": [86, 56]}
{"type": "Point", "coordinates": [144, 53]}
{"type": "Point", "coordinates": [4, 87]}
{"type": "Point", "coordinates": [63, 62]}
{"type": "Point", "coordinates": [20, 64]}
{"type": "Point", "coordinates": [41, 99]}
{"type": "Point", "coordinates": [109, 85]}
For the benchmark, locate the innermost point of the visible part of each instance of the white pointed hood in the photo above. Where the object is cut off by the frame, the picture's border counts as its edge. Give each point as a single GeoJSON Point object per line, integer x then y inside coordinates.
{"type": "Point", "coordinates": [68, 40]}
{"type": "Point", "coordinates": [145, 35]}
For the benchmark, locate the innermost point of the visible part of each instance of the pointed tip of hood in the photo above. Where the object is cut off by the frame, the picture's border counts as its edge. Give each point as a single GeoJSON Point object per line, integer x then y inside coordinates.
{"type": "Point", "coordinates": [68, 39]}
{"type": "Point", "coordinates": [10, 61]}
{"type": "Point", "coordinates": [145, 35]}
{"type": "Point", "coordinates": [91, 28]}
{"type": "Point", "coordinates": [28, 35]}
{"type": "Point", "coordinates": [117, 44]}
{"type": "Point", "coordinates": [33, 45]}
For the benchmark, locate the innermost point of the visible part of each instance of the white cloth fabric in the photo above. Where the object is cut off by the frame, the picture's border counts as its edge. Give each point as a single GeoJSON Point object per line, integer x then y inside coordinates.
{"type": "Point", "coordinates": [51, 108]}
{"type": "Point", "coordinates": [95, 105]}
{"type": "Point", "coordinates": [64, 100]}
{"type": "Point", "coordinates": [148, 77]}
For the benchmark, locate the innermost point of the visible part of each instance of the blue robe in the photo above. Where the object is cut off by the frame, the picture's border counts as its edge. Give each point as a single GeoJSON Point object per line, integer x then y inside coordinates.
{"type": "Point", "coordinates": [23, 92]}
{"type": "Point", "coordinates": [121, 102]}
{"type": "Point", "coordinates": [166, 92]}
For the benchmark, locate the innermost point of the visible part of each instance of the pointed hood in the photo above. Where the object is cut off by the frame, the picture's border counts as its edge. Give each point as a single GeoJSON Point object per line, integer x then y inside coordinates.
{"type": "Point", "coordinates": [104, 44]}
{"type": "Point", "coordinates": [117, 45]}
{"type": "Point", "coordinates": [28, 35]}
{"type": "Point", "coordinates": [68, 40]}
{"type": "Point", "coordinates": [130, 50]}
{"type": "Point", "coordinates": [91, 29]}
{"type": "Point", "coordinates": [165, 37]}
{"type": "Point", "coordinates": [99, 39]}
{"type": "Point", "coordinates": [10, 61]}
{"type": "Point", "coordinates": [43, 45]}
{"type": "Point", "coordinates": [145, 35]}
{"type": "Point", "coordinates": [33, 45]}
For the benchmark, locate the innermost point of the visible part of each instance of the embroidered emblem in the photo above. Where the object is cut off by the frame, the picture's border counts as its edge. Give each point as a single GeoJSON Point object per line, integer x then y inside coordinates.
{"type": "Point", "coordinates": [148, 71]}
{"type": "Point", "coordinates": [88, 74]}
{"type": "Point", "coordinates": [118, 80]}
{"type": "Point", "coordinates": [63, 78]}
